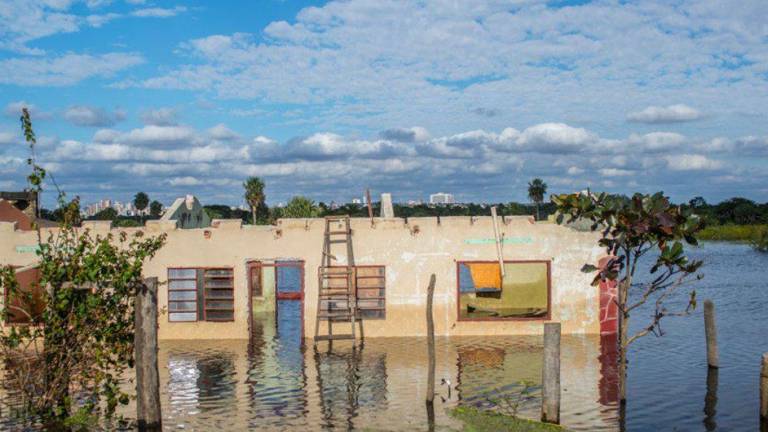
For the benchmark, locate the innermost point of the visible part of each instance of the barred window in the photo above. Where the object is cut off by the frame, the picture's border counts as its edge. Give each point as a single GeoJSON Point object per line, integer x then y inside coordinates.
{"type": "Point", "coordinates": [371, 291]}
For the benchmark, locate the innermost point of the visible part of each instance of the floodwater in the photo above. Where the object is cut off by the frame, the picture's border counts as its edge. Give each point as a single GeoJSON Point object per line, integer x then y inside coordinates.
{"type": "Point", "coordinates": [273, 383]}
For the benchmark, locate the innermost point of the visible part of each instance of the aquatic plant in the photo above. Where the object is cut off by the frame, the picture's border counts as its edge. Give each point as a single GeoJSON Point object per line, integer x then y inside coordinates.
{"type": "Point", "coordinates": [631, 229]}
{"type": "Point", "coordinates": [761, 242]}
{"type": "Point", "coordinates": [66, 365]}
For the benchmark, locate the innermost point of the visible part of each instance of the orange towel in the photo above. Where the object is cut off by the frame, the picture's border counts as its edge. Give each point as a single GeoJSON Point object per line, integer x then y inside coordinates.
{"type": "Point", "coordinates": [485, 275]}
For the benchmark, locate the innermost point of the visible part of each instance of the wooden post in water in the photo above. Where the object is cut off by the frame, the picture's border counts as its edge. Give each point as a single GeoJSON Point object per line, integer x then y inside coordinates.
{"type": "Point", "coordinates": [431, 354]}
{"type": "Point", "coordinates": [550, 376]}
{"type": "Point", "coordinates": [145, 351]}
{"type": "Point", "coordinates": [710, 329]}
{"type": "Point", "coordinates": [764, 392]}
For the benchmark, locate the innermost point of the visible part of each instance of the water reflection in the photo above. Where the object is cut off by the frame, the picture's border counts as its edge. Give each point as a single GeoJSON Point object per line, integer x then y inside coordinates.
{"type": "Point", "coordinates": [710, 400]}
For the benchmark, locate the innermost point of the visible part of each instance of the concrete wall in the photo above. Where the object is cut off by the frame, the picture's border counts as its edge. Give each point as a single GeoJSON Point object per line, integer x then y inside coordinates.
{"type": "Point", "coordinates": [411, 250]}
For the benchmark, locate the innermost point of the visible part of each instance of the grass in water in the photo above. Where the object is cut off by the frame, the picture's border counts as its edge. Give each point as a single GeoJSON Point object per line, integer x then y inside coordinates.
{"type": "Point", "coordinates": [476, 420]}
{"type": "Point", "coordinates": [742, 233]}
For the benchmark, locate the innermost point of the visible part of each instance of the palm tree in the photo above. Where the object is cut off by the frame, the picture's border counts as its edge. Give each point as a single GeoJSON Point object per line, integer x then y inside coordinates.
{"type": "Point", "coordinates": [254, 194]}
{"type": "Point", "coordinates": [536, 191]}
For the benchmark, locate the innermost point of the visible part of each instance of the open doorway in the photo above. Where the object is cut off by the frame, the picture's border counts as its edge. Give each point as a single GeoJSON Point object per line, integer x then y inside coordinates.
{"type": "Point", "coordinates": [277, 299]}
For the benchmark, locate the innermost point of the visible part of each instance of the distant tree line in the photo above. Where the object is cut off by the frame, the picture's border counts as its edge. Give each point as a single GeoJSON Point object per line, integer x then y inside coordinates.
{"type": "Point", "coordinates": [734, 211]}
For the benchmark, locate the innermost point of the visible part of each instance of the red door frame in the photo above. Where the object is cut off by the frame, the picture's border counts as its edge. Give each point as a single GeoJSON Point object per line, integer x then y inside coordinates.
{"type": "Point", "coordinates": [298, 296]}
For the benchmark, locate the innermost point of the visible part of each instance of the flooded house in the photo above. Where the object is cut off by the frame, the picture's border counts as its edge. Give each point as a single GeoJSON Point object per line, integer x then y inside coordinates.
{"type": "Point", "coordinates": [360, 277]}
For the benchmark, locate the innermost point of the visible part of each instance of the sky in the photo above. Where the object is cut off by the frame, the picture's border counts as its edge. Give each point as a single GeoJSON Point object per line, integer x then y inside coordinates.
{"type": "Point", "coordinates": [326, 99]}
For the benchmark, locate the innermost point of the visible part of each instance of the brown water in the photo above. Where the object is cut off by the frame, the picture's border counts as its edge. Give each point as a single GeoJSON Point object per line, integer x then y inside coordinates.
{"type": "Point", "coordinates": [273, 383]}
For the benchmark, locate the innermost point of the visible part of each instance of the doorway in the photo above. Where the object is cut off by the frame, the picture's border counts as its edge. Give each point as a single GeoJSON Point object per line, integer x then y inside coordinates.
{"type": "Point", "coordinates": [277, 293]}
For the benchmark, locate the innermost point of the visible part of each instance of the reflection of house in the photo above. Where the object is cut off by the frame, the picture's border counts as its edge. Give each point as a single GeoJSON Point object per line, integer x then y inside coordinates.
{"type": "Point", "coordinates": [188, 213]}
{"type": "Point", "coordinates": [213, 278]}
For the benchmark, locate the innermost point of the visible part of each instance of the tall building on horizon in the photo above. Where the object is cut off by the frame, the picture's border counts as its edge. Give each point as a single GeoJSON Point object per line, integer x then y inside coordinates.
{"type": "Point", "coordinates": [441, 198]}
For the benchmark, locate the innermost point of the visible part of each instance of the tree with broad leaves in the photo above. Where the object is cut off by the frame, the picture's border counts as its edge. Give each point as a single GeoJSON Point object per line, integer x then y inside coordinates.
{"type": "Point", "coordinates": [141, 201]}
{"type": "Point", "coordinates": [536, 191]}
{"type": "Point", "coordinates": [254, 194]}
{"type": "Point", "coordinates": [630, 229]}
{"type": "Point", "coordinates": [155, 209]}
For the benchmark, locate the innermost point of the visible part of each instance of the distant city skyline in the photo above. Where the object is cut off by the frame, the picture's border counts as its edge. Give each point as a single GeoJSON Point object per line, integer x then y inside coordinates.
{"type": "Point", "coordinates": [474, 97]}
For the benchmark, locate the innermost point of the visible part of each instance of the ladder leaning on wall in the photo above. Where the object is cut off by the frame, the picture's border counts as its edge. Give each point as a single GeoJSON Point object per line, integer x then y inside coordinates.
{"type": "Point", "coordinates": [337, 300]}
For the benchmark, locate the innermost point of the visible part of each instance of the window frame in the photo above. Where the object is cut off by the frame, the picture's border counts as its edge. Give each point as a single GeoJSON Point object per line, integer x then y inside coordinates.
{"type": "Point", "coordinates": [195, 289]}
{"type": "Point", "coordinates": [383, 299]}
{"type": "Point", "coordinates": [546, 317]}
{"type": "Point", "coordinates": [199, 278]}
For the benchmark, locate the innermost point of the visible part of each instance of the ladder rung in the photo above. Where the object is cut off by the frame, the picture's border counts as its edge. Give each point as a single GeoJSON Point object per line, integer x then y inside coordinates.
{"type": "Point", "coordinates": [337, 241]}
{"type": "Point", "coordinates": [337, 232]}
{"type": "Point", "coordinates": [334, 337]}
{"type": "Point", "coordinates": [346, 316]}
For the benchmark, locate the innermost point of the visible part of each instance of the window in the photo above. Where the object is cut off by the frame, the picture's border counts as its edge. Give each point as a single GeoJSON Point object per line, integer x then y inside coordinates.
{"type": "Point", "coordinates": [371, 283]}
{"type": "Point", "coordinates": [182, 295]}
{"type": "Point", "coordinates": [196, 294]}
{"type": "Point", "coordinates": [522, 293]}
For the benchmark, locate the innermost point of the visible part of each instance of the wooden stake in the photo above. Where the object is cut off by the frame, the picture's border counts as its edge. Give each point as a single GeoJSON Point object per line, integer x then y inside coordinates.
{"type": "Point", "coordinates": [550, 376]}
{"type": "Point", "coordinates": [710, 330]}
{"type": "Point", "coordinates": [498, 241]}
{"type": "Point", "coordinates": [710, 400]}
{"type": "Point", "coordinates": [431, 341]}
{"type": "Point", "coordinates": [764, 391]}
{"type": "Point", "coordinates": [149, 416]}
{"type": "Point", "coordinates": [370, 207]}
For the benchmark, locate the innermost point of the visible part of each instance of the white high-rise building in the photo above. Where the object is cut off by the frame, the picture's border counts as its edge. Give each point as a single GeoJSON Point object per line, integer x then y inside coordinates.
{"type": "Point", "coordinates": [441, 198]}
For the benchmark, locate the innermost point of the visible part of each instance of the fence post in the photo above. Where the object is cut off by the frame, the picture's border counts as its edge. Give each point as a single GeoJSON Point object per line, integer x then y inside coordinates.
{"type": "Point", "coordinates": [431, 354]}
{"type": "Point", "coordinates": [145, 351]}
{"type": "Point", "coordinates": [764, 392]}
{"type": "Point", "coordinates": [550, 392]}
{"type": "Point", "coordinates": [710, 330]}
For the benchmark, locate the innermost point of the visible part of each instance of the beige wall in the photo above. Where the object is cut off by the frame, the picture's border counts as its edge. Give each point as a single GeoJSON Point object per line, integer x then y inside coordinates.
{"type": "Point", "coordinates": [410, 251]}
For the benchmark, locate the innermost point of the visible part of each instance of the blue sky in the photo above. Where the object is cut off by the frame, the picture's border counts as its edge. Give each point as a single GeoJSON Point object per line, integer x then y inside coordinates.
{"type": "Point", "coordinates": [325, 99]}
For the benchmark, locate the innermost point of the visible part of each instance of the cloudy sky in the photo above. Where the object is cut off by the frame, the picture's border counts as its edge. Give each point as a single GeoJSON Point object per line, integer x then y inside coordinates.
{"type": "Point", "coordinates": [327, 98]}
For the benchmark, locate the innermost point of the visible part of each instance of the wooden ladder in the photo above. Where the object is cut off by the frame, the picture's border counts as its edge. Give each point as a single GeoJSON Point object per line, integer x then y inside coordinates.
{"type": "Point", "coordinates": [336, 301]}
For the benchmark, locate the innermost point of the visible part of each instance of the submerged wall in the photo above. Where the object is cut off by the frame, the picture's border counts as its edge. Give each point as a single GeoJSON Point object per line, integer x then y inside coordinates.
{"type": "Point", "coordinates": [410, 249]}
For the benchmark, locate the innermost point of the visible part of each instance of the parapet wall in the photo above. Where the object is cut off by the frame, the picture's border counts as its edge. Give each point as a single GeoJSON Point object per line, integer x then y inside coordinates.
{"type": "Point", "coordinates": [411, 249]}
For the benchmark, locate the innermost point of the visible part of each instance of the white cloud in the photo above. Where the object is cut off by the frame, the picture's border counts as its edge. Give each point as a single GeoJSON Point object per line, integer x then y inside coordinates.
{"type": "Point", "coordinates": [615, 172]}
{"type": "Point", "coordinates": [691, 162]}
{"type": "Point", "coordinates": [81, 115]}
{"type": "Point", "coordinates": [332, 61]}
{"type": "Point", "coordinates": [158, 135]}
{"type": "Point", "coordinates": [222, 132]}
{"type": "Point", "coordinates": [574, 170]}
{"type": "Point", "coordinates": [408, 135]}
{"type": "Point", "coordinates": [64, 70]}
{"type": "Point", "coordinates": [556, 138]}
{"type": "Point", "coordinates": [13, 110]}
{"type": "Point", "coordinates": [158, 12]}
{"type": "Point", "coordinates": [656, 141]}
{"type": "Point", "coordinates": [160, 117]}
{"type": "Point", "coordinates": [669, 114]}
{"type": "Point", "coordinates": [8, 138]}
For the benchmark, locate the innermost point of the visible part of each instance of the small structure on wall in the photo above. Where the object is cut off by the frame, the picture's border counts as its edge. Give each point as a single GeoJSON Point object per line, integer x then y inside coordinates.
{"type": "Point", "coordinates": [188, 213]}
{"type": "Point", "coordinates": [25, 201]}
